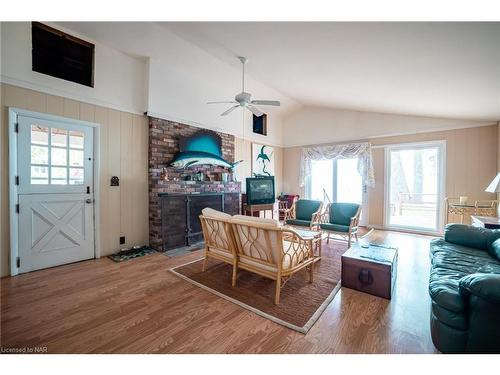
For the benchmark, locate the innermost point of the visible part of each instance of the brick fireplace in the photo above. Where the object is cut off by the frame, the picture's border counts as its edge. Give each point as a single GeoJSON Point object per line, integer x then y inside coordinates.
{"type": "Point", "coordinates": [170, 199]}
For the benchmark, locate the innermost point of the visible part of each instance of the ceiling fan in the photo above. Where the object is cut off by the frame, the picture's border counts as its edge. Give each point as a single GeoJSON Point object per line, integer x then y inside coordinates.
{"type": "Point", "coordinates": [244, 99]}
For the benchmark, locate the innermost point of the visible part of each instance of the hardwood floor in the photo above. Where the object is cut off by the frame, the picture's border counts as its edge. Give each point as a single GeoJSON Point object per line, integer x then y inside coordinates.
{"type": "Point", "coordinates": [137, 306]}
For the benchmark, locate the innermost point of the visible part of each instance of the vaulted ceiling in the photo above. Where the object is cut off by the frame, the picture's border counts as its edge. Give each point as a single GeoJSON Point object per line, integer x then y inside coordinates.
{"type": "Point", "coordinates": [449, 70]}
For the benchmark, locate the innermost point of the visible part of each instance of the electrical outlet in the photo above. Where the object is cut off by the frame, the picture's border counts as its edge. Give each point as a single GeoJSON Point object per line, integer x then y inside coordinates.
{"type": "Point", "coordinates": [122, 240]}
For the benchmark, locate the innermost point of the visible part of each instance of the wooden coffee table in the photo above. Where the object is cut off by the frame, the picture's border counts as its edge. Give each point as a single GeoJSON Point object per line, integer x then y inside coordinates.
{"type": "Point", "coordinates": [370, 268]}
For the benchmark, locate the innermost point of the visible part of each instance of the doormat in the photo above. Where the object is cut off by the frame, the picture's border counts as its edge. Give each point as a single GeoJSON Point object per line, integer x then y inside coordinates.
{"type": "Point", "coordinates": [131, 254]}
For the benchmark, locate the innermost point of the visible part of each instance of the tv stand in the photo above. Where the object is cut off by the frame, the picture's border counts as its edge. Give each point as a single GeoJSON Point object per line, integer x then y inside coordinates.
{"type": "Point", "coordinates": [252, 209]}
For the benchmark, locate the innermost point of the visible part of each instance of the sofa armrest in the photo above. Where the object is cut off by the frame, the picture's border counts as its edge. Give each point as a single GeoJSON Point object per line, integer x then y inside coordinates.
{"type": "Point", "coordinates": [483, 285]}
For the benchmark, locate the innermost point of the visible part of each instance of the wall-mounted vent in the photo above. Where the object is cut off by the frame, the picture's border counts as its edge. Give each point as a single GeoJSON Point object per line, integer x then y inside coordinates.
{"type": "Point", "coordinates": [61, 55]}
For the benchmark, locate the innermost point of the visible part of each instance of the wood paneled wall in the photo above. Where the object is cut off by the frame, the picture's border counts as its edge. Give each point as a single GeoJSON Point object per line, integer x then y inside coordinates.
{"type": "Point", "coordinates": [471, 164]}
{"type": "Point", "coordinates": [123, 153]}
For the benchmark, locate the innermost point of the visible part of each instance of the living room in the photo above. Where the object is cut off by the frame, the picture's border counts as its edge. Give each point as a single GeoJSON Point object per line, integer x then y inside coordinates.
{"type": "Point", "coordinates": [250, 187]}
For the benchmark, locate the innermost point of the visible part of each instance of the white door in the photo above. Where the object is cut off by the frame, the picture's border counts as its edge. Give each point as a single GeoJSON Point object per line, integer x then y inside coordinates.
{"type": "Point", "coordinates": [415, 186]}
{"type": "Point", "coordinates": [55, 193]}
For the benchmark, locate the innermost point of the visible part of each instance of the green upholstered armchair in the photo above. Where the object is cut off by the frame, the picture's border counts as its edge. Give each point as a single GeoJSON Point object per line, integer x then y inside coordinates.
{"type": "Point", "coordinates": [304, 213]}
{"type": "Point", "coordinates": [341, 219]}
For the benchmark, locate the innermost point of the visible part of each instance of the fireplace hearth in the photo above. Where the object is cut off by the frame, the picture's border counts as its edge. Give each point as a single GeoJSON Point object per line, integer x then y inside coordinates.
{"type": "Point", "coordinates": [180, 223]}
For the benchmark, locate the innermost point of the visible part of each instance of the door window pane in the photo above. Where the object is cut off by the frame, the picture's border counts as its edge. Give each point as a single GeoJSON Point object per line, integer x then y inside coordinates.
{"type": "Point", "coordinates": [321, 180]}
{"type": "Point", "coordinates": [59, 156]}
{"type": "Point", "coordinates": [39, 135]}
{"type": "Point", "coordinates": [53, 151]}
{"type": "Point", "coordinates": [39, 175]}
{"type": "Point", "coordinates": [76, 176]}
{"type": "Point", "coordinates": [414, 187]}
{"type": "Point", "coordinates": [39, 155]}
{"type": "Point", "coordinates": [59, 137]}
{"type": "Point", "coordinates": [76, 158]}
{"type": "Point", "coordinates": [349, 182]}
{"type": "Point", "coordinates": [58, 176]}
{"type": "Point", "coordinates": [76, 139]}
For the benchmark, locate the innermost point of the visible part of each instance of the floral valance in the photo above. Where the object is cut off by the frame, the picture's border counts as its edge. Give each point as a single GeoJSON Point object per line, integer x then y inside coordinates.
{"type": "Point", "coordinates": [362, 151]}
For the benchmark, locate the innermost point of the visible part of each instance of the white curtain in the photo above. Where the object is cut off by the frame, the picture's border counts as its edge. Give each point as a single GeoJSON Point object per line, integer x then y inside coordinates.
{"type": "Point", "coordinates": [362, 151]}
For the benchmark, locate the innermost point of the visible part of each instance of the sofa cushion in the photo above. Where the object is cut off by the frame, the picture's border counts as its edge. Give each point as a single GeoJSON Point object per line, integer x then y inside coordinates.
{"type": "Point", "coordinates": [335, 227]}
{"type": "Point", "coordinates": [494, 249]}
{"type": "Point", "coordinates": [341, 213]}
{"type": "Point", "coordinates": [301, 223]}
{"type": "Point", "coordinates": [305, 208]}
{"type": "Point", "coordinates": [469, 236]}
{"type": "Point", "coordinates": [255, 220]}
{"type": "Point", "coordinates": [214, 214]}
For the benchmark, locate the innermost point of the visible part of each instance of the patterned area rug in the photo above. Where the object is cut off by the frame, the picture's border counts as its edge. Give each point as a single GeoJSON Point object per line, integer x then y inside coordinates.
{"type": "Point", "coordinates": [301, 303]}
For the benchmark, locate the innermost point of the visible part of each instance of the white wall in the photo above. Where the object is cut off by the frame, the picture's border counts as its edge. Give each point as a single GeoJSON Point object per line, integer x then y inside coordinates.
{"type": "Point", "coordinates": [119, 79]}
{"type": "Point", "coordinates": [310, 125]}
{"type": "Point", "coordinates": [183, 77]}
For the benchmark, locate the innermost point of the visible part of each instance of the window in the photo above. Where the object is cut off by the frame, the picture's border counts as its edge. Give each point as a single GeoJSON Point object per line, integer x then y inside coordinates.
{"type": "Point", "coordinates": [260, 124]}
{"type": "Point", "coordinates": [338, 181]}
{"type": "Point", "coordinates": [56, 156]}
{"type": "Point", "coordinates": [61, 55]}
{"type": "Point", "coordinates": [414, 186]}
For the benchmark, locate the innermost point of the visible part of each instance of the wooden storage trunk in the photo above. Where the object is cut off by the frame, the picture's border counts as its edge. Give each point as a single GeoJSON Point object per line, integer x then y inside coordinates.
{"type": "Point", "coordinates": [370, 269]}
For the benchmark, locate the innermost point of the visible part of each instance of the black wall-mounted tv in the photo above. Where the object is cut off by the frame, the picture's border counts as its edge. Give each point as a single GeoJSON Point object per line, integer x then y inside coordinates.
{"type": "Point", "coordinates": [260, 190]}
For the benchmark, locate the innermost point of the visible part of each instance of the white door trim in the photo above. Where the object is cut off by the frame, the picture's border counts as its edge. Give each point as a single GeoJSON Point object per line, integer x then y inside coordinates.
{"type": "Point", "coordinates": [13, 172]}
{"type": "Point", "coordinates": [441, 144]}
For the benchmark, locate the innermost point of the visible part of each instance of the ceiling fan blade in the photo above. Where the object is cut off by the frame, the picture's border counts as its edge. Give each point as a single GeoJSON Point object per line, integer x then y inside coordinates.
{"type": "Point", "coordinates": [257, 112]}
{"type": "Point", "coordinates": [229, 110]}
{"type": "Point", "coordinates": [266, 102]}
{"type": "Point", "coordinates": [222, 102]}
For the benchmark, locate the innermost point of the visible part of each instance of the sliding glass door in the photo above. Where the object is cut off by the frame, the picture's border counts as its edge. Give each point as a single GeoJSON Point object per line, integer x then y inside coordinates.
{"type": "Point", "coordinates": [338, 181]}
{"type": "Point", "coordinates": [414, 186]}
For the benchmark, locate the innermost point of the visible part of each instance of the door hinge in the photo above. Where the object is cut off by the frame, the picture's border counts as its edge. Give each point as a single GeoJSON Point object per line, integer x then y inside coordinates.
{"type": "Point", "coordinates": [18, 262]}
{"type": "Point", "coordinates": [17, 208]}
{"type": "Point", "coordinates": [16, 128]}
{"type": "Point", "coordinates": [17, 180]}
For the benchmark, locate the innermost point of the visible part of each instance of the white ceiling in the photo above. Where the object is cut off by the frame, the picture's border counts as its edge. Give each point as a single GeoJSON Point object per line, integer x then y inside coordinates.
{"type": "Point", "coordinates": [449, 70]}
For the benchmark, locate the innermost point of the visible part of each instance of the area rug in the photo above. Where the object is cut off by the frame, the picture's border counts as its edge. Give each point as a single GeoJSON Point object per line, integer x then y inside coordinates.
{"type": "Point", "coordinates": [301, 303]}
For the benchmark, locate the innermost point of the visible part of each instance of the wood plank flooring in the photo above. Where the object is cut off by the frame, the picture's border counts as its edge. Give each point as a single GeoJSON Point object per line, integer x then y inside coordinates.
{"type": "Point", "coordinates": [137, 306]}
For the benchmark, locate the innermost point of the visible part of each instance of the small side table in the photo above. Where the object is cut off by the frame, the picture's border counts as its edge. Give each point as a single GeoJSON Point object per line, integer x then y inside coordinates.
{"type": "Point", "coordinates": [487, 222]}
{"type": "Point", "coordinates": [250, 209]}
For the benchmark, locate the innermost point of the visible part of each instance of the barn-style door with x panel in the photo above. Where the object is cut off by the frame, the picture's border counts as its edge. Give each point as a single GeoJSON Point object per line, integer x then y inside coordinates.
{"type": "Point", "coordinates": [55, 193]}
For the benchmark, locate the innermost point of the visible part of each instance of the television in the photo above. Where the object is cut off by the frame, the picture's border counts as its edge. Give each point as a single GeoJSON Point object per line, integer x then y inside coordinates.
{"type": "Point", "coordinates": [260, 190]}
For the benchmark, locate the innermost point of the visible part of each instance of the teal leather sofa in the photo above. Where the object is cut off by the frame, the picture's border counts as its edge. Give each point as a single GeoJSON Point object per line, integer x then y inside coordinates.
{"type": "Point", "coordinates": [464, 287]}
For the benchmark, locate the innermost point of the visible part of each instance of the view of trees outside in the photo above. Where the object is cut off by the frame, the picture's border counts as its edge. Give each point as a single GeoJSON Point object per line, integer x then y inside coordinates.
{"type": "Point", "coordinates": [413, 187]}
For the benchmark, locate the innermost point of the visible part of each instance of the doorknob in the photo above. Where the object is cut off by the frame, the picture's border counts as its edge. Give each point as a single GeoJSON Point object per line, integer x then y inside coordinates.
{"type": "Point", "coordinates": [88, 200]}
